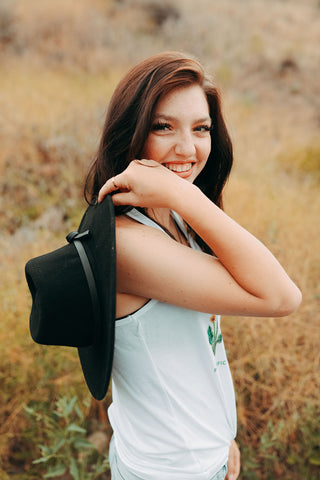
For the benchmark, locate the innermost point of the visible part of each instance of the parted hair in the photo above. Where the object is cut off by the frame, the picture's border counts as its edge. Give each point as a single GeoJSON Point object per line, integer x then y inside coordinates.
{"type": "Point", "coordinates": [129, 121]}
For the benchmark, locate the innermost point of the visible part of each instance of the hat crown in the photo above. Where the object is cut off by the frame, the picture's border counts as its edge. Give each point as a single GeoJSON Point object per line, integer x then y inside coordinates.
{"type": "Point", "coordinates": [62, 312]}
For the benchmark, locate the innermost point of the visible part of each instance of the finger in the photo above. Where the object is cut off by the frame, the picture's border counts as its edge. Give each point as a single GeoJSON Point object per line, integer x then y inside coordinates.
{"type": "Point", "coordinates": [147, 163]}
{"type": "Point", "coordinates": [121, 199]}
{"type": "Point", "coordinates": [126, 198]}
{"type": "Point", "coordinates": [109, 187]}
{"type": "Point", "coordinates": [233, 470]}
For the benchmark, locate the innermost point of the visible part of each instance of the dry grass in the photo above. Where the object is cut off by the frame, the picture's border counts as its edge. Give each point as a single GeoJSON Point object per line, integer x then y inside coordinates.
{"type": "Point", "coordinates": [59, 66]}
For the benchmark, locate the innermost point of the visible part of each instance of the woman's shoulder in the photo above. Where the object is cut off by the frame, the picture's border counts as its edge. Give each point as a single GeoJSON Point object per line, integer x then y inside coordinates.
{"type": "Point", "coordinates": [137, 225]}
{"type": "Point", "coordinates": [124, 222]}
{"type": "Point", "coordinates": [134, 238]}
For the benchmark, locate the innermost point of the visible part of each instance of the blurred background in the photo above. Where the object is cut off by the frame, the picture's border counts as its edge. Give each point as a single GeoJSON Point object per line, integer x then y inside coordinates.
{"type": "Point", "coordinates": [59, 63]}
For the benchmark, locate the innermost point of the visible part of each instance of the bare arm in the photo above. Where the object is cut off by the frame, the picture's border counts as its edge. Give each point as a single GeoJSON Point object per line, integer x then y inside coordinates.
{"type": "Point", "coordinates": [233, 462]}
{"type": "Point", "coordinates": [245, 280]}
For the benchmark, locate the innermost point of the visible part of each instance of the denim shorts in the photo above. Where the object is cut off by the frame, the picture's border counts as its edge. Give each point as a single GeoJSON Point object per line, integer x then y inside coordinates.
{"type": "Point", "coordinates": [120, 472]}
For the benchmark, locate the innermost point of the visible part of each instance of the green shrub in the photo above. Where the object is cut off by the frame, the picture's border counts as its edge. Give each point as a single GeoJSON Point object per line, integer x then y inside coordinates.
{"type": "Point", "coordinates": [284, 454]}
{"type": "Point", "coordinates": [65, 448]}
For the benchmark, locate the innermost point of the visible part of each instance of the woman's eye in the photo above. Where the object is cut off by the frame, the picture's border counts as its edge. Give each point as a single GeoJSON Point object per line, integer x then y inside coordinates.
{"type": "Point", "coordinates": [203, 128]}
{"type": "Point", "coordinates": [159, 126]}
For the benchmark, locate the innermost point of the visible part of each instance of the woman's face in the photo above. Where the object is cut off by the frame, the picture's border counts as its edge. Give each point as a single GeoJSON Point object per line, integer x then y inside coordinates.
{"type": "Point", "coordinates": [180, 136]}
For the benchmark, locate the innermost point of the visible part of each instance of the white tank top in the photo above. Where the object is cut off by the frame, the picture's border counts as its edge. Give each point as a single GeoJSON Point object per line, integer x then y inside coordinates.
{"type": "Point", "coordinates": [173, 412]}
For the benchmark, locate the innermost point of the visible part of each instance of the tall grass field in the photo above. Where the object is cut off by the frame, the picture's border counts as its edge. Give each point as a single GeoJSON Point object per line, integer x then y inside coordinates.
{"type": "Point", "coordinates": [59, 63]}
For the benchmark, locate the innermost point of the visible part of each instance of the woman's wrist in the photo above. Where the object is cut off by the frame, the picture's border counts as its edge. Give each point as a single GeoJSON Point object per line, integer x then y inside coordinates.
{"type": "Point", "coordinates": [185, 198]}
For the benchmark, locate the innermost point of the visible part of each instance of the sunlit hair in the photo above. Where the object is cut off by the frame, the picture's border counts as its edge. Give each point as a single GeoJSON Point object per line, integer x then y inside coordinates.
{"type": "Point", "coordinates": [129, 121]}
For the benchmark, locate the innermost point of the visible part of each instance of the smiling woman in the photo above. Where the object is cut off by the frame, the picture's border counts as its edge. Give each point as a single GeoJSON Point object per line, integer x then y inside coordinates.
{"type": "Point", "coordinates": [180, 134]}
{"type": "Point", "coordinates": [164, 156]}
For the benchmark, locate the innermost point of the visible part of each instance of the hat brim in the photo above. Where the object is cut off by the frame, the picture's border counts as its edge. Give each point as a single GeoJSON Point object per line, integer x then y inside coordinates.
{"type": "Point", "coordinates": [96, 359]}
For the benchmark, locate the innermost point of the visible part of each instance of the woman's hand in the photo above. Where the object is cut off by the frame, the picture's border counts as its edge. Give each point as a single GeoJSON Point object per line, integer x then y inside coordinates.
{"type": "Point", "coordinates": [233, 462]}
{"type": "Point", "coordinates": [144, 183]}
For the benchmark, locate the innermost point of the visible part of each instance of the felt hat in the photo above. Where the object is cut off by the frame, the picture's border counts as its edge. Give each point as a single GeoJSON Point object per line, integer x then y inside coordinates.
{"type": "Point", "coordinates": [73, 293]}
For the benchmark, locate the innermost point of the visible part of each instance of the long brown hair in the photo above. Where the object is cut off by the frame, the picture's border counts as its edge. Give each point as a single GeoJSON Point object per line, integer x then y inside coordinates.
{"type": "Point", "coordinates": [129, 119]}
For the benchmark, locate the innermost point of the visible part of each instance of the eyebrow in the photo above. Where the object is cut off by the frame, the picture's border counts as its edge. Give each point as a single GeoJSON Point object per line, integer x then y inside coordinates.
{"type": "Point", "coordinates": [171, 118]}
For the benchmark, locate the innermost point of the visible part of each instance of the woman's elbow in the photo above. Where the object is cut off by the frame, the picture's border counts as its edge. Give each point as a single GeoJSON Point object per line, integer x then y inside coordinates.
{"type": "Point", "coordinates": [288, 302]}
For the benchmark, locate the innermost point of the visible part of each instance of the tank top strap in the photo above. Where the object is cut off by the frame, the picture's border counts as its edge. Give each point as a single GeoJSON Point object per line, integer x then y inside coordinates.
{"type": "Point", "coordinates": [179, 221]}
{"type": "Point", "coordinates": [180, 224]}
{"type": "Point", "coordinates": [141, 218]}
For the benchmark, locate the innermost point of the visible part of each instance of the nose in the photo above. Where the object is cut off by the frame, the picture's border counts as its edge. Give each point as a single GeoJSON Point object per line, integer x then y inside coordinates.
{"type": "Point", "coordinates": [185, 145]}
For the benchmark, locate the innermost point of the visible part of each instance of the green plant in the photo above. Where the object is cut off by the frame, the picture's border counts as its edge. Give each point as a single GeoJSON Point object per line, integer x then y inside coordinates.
{"type": "Point", "coordinates": [67, 450]}
{"type": "Point", "coordinates": [289, 452]}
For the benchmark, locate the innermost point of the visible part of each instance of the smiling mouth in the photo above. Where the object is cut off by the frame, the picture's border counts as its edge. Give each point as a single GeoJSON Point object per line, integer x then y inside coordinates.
{"type": "Point", "coordinates": [178, 167]}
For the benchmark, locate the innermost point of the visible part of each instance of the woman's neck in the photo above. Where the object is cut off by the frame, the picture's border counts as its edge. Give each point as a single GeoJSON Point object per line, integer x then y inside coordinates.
{"type": "Point", "coordinates": [164, 218]}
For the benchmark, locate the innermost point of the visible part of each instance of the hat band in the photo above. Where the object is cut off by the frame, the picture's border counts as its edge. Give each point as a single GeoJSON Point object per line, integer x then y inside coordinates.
{"type": "Point", "coordinates": [74, 237]}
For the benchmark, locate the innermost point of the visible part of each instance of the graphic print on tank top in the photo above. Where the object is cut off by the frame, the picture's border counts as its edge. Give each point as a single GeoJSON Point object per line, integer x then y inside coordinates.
{"type": "Point", "coordinates": [213, 334]}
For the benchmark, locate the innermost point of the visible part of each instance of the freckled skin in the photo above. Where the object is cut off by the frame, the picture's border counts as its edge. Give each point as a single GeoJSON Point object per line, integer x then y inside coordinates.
{"type": "Point", "coordinates": [180, 134]}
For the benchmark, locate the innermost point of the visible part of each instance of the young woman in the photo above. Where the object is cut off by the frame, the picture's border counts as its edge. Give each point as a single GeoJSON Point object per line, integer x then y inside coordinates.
{"type": "Point", "coordinates": [165, 156]}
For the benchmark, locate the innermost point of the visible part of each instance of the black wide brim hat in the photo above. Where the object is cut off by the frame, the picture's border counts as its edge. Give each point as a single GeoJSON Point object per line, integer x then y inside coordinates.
{"type": "Point", "coordinates": [73, 293]}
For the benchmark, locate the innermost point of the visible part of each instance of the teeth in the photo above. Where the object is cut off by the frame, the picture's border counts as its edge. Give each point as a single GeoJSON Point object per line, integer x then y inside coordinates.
{"type": "Point", "coordinates": [179, 167]}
